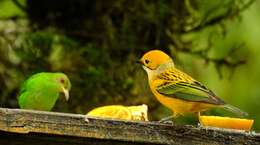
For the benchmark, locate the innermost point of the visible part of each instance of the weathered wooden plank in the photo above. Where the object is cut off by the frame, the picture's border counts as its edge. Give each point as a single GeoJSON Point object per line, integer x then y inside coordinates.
{"type": "Point", "coordinates": [25, 126]}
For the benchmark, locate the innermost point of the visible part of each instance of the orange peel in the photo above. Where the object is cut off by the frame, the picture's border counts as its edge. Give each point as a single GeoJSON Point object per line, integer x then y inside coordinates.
{"type": "Point", "coordinates": [139, 112]}
{"type": "Point", "coordinates": [121, 112]}
{"type": "Point", "coordinates": [226, 122]}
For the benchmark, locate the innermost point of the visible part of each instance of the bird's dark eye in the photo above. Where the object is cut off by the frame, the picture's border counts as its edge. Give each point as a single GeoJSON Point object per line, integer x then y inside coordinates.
{"type": "Point", "coordinates": [62, 81]}
{"type": "Point", "coordinates": [146, 61]}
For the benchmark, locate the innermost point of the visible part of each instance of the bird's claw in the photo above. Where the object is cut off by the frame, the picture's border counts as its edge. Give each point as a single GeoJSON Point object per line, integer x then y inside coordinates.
{"type": "Point", "coordinates": [86, 120]}
{"type": "Point", "coordinates": [166, 122]}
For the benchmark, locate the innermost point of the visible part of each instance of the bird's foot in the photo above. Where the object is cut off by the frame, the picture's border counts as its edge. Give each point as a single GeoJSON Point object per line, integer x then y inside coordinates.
{"type": "Point", "coordinates": [167, 120]}
{"type": "Point", "coordinates": [199, 125]}
{"type": "Point", "coordinates": [86, 119]}
{"type": "Point", "coordinates": [171, 122]}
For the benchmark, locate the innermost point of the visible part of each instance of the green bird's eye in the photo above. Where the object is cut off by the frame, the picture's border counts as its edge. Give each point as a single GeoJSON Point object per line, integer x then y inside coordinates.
{"type": "Point", "coordinates": [62, 80]}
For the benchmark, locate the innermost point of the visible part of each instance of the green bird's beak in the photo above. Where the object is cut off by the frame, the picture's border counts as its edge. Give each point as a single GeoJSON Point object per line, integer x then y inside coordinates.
{"type": "Point", "coordinates": [66, 93]}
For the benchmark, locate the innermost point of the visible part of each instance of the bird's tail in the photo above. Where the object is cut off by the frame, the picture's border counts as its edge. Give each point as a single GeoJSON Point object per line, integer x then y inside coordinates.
{"type": "Point", "coordinates": [235, 110]}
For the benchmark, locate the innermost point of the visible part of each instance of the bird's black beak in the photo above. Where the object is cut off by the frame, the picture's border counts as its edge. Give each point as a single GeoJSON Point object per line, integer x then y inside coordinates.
{"type": "Point", "coordinates": [139, 62]}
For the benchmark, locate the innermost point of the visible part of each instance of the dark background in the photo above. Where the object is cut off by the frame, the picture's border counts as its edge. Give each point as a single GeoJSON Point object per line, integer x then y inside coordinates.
{"type": "Point", "coordinates": [96, 43]}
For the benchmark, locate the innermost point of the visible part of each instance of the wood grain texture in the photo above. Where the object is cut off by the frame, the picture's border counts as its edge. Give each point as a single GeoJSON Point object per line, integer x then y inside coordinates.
{"type": "Point", "coordinates": [25, 127]}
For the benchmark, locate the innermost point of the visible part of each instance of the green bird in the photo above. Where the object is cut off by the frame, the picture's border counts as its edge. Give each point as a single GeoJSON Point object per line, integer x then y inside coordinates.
{"type": "Point", "coordinates": [41, 91]}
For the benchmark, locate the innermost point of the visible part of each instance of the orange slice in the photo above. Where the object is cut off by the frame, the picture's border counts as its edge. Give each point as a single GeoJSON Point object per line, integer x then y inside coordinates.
{"type": "Point", "coordinates": [112, 111]}
{"type": "Point", "coordinates": [139, 112]}
{"type": "Point", "coordinates": [121, 112]}
{"type": "Point", "coordinates": [226, 122]}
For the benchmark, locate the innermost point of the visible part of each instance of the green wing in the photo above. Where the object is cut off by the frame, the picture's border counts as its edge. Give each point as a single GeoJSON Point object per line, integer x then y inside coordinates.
{"type": "Point", "coordinates": [194, 92]}
{"type": "Point", "coordinates": [25, 95]}
{"type": "Point", "coordinates": [38, 93]}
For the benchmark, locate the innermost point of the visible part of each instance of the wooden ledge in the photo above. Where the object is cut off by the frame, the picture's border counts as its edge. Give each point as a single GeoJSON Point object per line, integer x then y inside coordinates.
{"type": "Point", "coordinates": [19, 126]}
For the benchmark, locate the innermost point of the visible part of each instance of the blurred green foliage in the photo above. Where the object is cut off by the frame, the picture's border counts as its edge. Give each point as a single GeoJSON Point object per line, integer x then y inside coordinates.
{"type": "Point", "coordinates": [96, 43]}
{"type": "Point", "coordinates": [9, 9]}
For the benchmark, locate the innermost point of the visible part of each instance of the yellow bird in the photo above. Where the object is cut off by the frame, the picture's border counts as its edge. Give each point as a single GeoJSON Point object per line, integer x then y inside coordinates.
{"type": "Point", "coordinates": [177, 90]}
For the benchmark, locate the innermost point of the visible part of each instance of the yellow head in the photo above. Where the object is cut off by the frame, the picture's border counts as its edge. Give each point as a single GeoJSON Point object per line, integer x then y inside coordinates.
{"type": "Point", "coordinates": [154, 59]}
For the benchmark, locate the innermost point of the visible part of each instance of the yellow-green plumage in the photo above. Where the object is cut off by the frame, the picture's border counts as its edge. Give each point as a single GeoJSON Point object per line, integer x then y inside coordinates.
{"type": "Point", "coordinates": [177, 90]}
{"type": "Point", "coordinates": [41, 91]}
{"type": "Point", "coordinates": [177, 84]}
